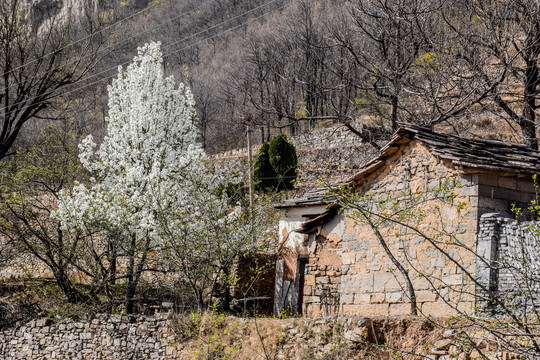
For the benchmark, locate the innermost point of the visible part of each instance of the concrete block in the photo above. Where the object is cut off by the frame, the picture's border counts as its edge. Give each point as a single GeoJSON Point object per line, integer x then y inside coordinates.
{"type": "Point", "coordinates": [399, 309]}
{"type": "Point", "coordinates": [394, 297]}
{"type": "Point", "coordinates": [362, 298]}
{"type": "Point", "coordinates": [366, 310]}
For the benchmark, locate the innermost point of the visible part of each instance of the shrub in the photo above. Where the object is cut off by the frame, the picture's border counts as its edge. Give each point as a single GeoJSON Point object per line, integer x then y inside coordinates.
{"type": "Point", "coordinates": [284, 161]}
{"type": "Point", "coordinates": [264, 175]}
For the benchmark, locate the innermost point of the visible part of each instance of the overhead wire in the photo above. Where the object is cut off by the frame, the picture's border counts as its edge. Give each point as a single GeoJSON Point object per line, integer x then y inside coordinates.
{"type": "Point", "coordinates": [80, 40]}
{"type": "Point", "coordinates": [159, 25]}
{"type": "Point", "coordinates": [166, 54]}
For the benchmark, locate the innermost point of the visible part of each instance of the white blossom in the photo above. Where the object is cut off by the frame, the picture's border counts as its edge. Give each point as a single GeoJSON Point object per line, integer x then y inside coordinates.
{"type": "Point", "coordinates": [150, 182]}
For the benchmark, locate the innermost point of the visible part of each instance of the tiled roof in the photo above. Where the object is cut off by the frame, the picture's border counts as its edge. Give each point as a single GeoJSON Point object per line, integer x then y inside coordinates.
{"type": "Point", "coordinates": [472, 153]}
{"type": "Point", "coordinates": [317, 196]}
{"type": "Point", "coordinates": [490, 155]}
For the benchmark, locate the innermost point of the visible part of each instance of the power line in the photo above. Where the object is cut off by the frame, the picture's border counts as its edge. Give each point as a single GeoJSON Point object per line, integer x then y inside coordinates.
{"type": "Point", "coordinates": [168, 54]}
{"type": "Point", "coordinates": [80, 40]}
{"type": "Point", "coordinates": [107, 47]}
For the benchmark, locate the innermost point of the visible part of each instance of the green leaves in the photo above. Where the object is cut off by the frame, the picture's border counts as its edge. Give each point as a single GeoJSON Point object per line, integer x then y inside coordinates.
{"type": "Point", "coordinates": [276, 166]}
{"type": "Point", "coordinates": [265, 176]}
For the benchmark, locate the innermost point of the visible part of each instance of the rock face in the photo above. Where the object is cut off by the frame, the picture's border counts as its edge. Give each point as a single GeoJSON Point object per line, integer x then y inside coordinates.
{"type": "Point", "coordinates": [45, 12]}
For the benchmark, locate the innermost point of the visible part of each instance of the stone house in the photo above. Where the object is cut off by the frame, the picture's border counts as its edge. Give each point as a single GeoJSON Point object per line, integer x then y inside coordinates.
{"type": "Point", "coordinates": [330, 261]}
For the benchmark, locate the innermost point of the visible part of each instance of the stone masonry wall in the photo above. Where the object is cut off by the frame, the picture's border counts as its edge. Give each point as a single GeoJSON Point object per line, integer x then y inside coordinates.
{"type": "Point", "coordinates": [330, 155]}
{"type": "Point", "coordinates": [323, 274]}
{"type": "Point", "coordinates": [368, 282]}
{"type": "Point", "coordinates": [106, 337]}
{"type": "Point", "coordinates": [371, 284]}
{"type": "Point", "coordinates": [507, 262]}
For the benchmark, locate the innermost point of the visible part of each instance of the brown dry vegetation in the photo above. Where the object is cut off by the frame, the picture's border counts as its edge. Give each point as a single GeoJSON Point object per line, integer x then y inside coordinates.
{"type": "Point", "coordinates": [214, 336]}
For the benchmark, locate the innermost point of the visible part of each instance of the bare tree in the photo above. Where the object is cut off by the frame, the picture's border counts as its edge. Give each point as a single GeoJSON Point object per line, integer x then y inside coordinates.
{"type": "Point", "coordinates": [494, 47]}
{"type": "Point", "coordinates": [40, 58]}
{"type": "Point", "coordinates": [31, 183]}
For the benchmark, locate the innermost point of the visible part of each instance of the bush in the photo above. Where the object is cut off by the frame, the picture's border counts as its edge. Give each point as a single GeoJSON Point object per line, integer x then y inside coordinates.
{"type": "Point", "coordinates": [264, 175]}
{"type": "Point", "coordinates": [284, 161]}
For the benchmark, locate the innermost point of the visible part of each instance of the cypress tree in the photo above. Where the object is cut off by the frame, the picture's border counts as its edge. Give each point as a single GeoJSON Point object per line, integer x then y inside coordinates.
{"type": "Point", "coordinates": [284, 161]}
{"type": "Point", "coordinates": [264, 176]}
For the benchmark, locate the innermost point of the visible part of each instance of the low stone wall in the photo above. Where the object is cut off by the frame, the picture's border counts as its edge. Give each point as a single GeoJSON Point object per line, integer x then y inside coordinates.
{"type": "Point", "coordinates": [327, 165]}
{"type": "Point", "coordinates": [333, 337]}
{"type": "Point", "coordinates": [330, 138]}
{"type": "Point", "coordinates": [327, 139]}
{"type": "Point", "coordinates": [106, 337]}
{"type": "Point", "coordinates": [507, 263]}
{"type": "Point", "coordinates": [329, 155]}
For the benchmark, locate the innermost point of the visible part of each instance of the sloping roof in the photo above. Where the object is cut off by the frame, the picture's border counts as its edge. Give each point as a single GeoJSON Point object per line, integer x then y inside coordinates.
{"type": "Point", "coordinates": [489, 155]}
{"type": "Point", "coordinates": [317, 196]}
{"type": "Point", "coordinates": [472, 153]}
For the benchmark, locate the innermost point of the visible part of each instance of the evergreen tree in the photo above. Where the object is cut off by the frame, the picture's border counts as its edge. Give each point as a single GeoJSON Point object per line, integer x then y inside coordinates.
{"type": "Point", "coordinates": [276, 165]}
{"type": "Point", "coordinates": [284, 161]}
{"type": "Point", "coordinates": [265, 177]}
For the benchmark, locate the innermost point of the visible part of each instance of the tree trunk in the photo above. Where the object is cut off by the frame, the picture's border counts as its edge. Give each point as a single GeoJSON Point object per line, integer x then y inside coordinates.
{"type": "Point", "coordinates": [394, 114]}
{"type": "Point", "coordinates": [130, 290]}
{"type": "Point", "coordinates": [527, 122]}
{"type": "Point", "coordinates": [227, 290]}
{"type": "Point", "coordinates": [402, 270]}
{"type": "Point", "coordinates": [72, 294]}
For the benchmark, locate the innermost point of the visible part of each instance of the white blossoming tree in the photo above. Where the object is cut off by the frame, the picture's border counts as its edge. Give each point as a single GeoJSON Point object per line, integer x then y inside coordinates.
{"type": "Point", "coordinates": [151, 191]}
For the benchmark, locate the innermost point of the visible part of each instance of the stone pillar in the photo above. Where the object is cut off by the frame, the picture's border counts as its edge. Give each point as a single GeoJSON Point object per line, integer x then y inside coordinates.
{"type": "Point", "coordinates": [278, 292]}
{"type": "Point", "coordinates": [486, 270]}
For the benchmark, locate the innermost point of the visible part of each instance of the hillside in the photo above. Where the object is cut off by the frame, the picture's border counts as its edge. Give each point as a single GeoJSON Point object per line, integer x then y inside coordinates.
{"type": "Point", "coordinates": [299, 65]}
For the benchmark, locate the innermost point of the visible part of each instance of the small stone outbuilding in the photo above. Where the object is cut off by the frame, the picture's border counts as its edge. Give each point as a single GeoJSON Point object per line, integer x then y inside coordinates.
{"type": "Point", "coordinates": [331, 263]}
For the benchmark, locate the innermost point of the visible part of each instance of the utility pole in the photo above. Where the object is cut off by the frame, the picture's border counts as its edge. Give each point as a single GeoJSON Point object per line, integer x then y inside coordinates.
{"type": "Point", "coordinates": [250, 170]}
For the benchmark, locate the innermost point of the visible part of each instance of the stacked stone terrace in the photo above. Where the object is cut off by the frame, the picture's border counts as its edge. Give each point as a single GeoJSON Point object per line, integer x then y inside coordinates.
{"type": "Point", "coordinates": [106, 337]}
{"type": "Point", "coordinates": [330, 155]}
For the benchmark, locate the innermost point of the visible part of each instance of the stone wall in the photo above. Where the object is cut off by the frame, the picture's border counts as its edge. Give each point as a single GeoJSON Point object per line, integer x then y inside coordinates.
{"type": "Point", "coordinates": [106, 337]}
{"type": "Point", "coordinates": [335, 337]}
{"type": "Point", "coordinates": [371, 284]}
{"type": "Point", "coordinates": [329, 155]}
{"type": "Point", "coordinates": [346, 254]}
{"type": "Point", "coordinates": [323, 272]}
{"type": "Point", "coordinates": [507, 263]}
{"type": "Point", "coordinates": [328, 138]}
